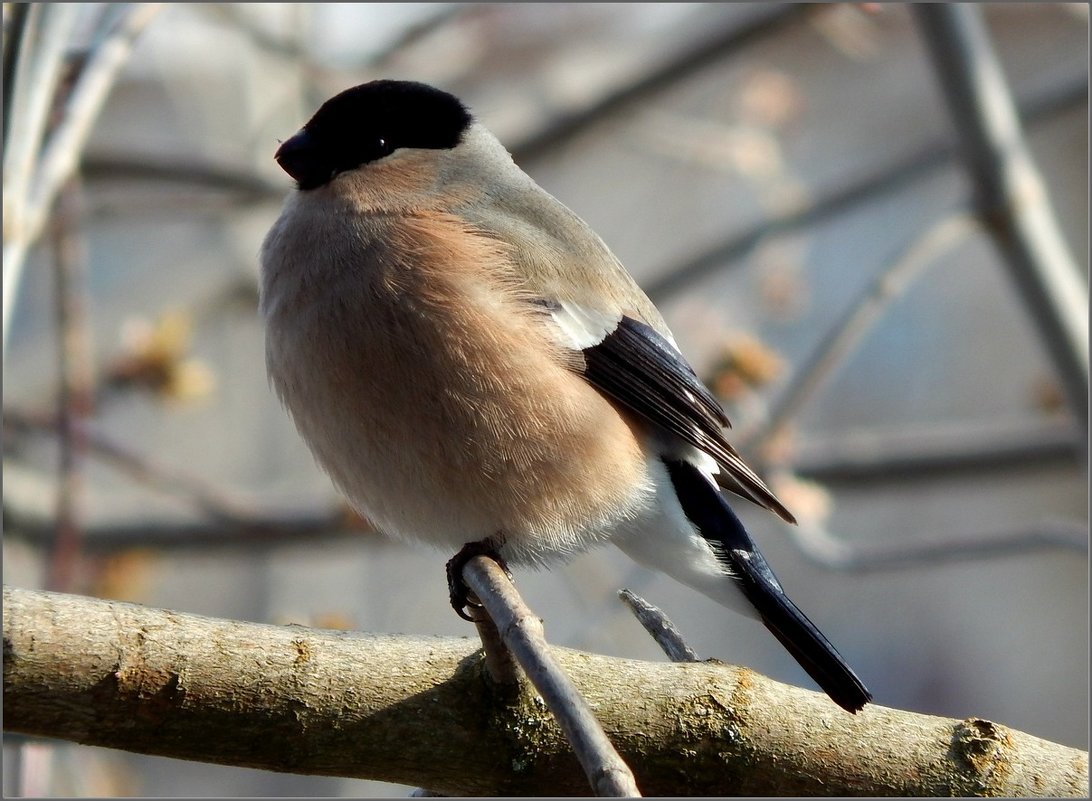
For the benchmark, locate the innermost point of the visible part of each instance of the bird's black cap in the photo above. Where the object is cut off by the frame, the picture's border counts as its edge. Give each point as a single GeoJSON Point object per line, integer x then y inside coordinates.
{"type": "Point", "coordinates": [368, 122]}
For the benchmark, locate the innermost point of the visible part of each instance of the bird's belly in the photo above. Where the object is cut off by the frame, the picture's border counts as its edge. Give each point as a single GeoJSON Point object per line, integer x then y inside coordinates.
{"type": "Point", "coordinates": [445, 439]}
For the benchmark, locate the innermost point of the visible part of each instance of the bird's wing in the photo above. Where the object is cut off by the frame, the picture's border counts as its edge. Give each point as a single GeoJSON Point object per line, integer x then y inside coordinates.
{"type": "Point", "coordinates": [617, 337]}
{"type": "Point", "coordinates": [641, 369]}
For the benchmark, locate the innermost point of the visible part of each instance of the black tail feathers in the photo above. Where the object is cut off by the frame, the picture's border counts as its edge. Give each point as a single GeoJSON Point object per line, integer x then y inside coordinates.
{"type": "Point", "coordinates": [798, 634]}
{"type": "Point", "coordinates": [706, 508]}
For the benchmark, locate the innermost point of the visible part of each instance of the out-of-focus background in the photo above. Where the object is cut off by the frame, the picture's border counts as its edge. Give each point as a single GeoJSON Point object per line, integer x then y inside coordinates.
{"type": "Point", "coordinates": [760, 168]}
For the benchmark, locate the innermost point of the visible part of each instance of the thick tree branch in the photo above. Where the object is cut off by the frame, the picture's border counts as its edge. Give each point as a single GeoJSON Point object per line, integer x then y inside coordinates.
{"type": "Point", "coordinates": [419, 711]}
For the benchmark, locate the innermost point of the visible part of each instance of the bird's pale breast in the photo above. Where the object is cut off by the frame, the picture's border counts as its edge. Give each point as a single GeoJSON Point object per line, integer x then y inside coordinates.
{"type": "Point", "coordinates": [434, 395]}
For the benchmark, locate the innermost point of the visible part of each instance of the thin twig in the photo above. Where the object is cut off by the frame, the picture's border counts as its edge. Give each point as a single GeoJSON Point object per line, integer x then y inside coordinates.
{"type": "Point", "coordinates": [522, 632]}
{"type": "Point", "coordinates": [879, 454]}
{"type": "Point", "coordinates": [74, 359]}
{"type": "Point", "coordinates": [206, 497]}
{"type": "Point", "coordinates": [656, 623]}
{"type": "Point", "coordinates": [863, 313]}
{"type": "Point", "coordinates": [822, 548]}
{"type": "Point", "coordinates": [1011, 197]}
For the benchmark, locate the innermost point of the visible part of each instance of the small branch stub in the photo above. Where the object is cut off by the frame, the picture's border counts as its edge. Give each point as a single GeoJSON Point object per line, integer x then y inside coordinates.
{"type": "Point", "coordinates": [656, 623]}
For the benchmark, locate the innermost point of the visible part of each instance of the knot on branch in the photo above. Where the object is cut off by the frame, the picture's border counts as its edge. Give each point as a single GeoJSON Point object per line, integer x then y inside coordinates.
{"type": "Point", "coordinates": [981, 745]}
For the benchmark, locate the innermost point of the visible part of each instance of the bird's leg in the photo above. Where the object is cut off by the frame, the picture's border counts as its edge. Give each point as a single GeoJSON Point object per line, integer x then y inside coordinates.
{"type": "Point", "coordinates": [460, 594]}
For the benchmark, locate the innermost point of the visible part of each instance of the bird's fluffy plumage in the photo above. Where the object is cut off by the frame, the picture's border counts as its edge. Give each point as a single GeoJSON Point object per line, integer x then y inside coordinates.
{"type": "Point", "coordinates": [468, 360]}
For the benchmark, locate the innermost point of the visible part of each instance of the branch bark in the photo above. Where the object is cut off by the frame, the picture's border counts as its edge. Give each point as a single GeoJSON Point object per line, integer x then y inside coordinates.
{"type": "Point", "coordinates": [420, 711]}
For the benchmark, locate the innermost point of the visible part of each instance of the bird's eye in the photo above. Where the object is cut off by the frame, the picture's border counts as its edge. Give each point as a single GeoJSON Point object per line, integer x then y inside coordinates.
{"type": "Point", "coordinates": [383, 146]}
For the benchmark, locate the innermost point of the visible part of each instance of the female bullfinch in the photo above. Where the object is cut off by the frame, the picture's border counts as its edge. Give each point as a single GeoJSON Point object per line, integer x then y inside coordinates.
{"type": "Point", "coordinates": [470, 363]}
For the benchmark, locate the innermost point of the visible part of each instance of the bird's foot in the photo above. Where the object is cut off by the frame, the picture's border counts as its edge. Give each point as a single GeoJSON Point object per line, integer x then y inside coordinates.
{"type": "Point", "coordinates": [461, 596]}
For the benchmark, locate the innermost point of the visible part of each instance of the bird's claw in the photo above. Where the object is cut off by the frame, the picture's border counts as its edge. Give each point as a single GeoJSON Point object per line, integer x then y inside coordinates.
{"type": "Point", "coordinates": [461, 596]}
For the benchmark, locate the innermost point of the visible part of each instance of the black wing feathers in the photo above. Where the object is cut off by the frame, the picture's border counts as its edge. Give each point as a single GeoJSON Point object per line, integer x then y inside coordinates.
{"type": "Point", "coordinates": [640, 369]}
{"type": "Point", "coordinates": [706, 508]}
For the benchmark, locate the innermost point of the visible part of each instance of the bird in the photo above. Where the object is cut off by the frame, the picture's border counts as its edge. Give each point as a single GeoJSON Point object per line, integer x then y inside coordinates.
{"type": "Point", "coordinates": [474, 368]}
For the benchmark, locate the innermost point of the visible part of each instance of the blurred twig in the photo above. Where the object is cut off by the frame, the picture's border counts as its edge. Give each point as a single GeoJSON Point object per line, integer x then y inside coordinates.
{"type": "Point", "coordinates": [231, 521]}
{"type": "Point", "coordinates": [253, 188]}
{"type": "Point", "coordinates": [16, 23]}
{"type": "Point", "coordinates": [36, 71]}
{"type": "Point", "coordinates": [75, 398]}
{"type": "Point", "coordinates": [891, 177]}
{"type": "Point", "coordinates": [247, 186]}
{"type": "Point", "coordinates": [819, 546]}
{"type": "Point", "coordinates": [291, 48]}
{"type": "Point", "coordinates": [39, 168]}
{"type": "Point", "coordinates": [1010, 195]}
{"type": "Point", "coordinates": [313, 526]}
{"type": "Point", "coordinates": [442, 14]}
{"type": "Point", "coordinates": [762, 19]}
{"type": "Point", "coordinates": [843, 339]}
{"type": "Point", "coordinates": [62, 151]}
{"type": "Point", "coordinates": [203, 495]}
{"type": "Point", "coordinates": [892, 454]}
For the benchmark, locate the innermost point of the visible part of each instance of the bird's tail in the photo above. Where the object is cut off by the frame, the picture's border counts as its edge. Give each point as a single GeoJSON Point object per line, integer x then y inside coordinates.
{"type": "Point", "coordinates": [798, 634]}
{"type": "Point", "coordinates": [709, 512]}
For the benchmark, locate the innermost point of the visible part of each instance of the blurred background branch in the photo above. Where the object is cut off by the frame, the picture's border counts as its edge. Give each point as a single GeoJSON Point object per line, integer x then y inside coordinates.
{"type": "Point", "coordinates": [43, 157]}
{"type": "Point", "coordinates": [836, 347]}
{"type": "Point", "coordinates": [1011, 197]}
{"type": "Point", "coordinates": [76, 389]}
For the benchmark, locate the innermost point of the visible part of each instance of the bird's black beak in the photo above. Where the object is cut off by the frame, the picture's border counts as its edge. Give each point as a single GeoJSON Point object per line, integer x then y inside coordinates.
{"type": "Point", "coordinates": [299, 158]}
{"type": "Point", "coordinates": [293, 154]}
